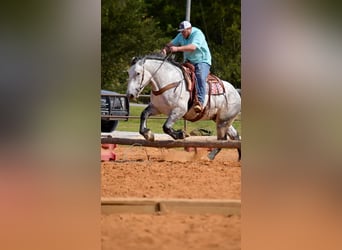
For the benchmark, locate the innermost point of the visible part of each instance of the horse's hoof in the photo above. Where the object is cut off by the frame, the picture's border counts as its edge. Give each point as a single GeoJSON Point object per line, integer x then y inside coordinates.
{"type": "Point", "coordinates": [181, 134]}
{"type": "Point", "coordinates": [211, 155]}
{"type": "Point", "coordinates": [148, 135]}
{"type": "Point", "coordinates": [176, 135]}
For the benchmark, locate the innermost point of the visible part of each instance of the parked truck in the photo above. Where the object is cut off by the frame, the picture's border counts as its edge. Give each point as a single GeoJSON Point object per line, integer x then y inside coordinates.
{"type": "Point", "coordinates": [114, 108]}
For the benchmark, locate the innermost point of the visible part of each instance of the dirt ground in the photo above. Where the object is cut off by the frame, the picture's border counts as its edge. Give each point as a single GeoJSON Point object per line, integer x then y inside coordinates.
{"type": "Point", "coordinates": [145, 172]}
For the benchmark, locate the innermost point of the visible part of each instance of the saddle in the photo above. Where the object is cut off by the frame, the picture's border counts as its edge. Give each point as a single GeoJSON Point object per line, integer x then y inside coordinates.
{"type": "Point", "coordinates": [214, 87]}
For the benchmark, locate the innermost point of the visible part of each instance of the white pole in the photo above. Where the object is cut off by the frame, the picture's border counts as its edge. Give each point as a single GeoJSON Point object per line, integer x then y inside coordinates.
{"type": "Point", "coordinates": [188, 7]}
{"type": "Point", "coordinates": [187, 18]}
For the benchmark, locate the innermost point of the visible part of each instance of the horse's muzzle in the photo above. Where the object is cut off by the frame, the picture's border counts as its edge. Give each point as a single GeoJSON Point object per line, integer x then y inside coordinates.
{"type": "Point", "coordinates": [131, 97]}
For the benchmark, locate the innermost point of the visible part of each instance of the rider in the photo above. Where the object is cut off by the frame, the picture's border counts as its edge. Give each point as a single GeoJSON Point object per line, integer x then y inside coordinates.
{"type": "Point", "coordinates": [191, 41]}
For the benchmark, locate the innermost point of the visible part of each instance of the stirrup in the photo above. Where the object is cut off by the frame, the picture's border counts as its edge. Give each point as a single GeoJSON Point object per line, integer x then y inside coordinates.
{"type": "Point", "coordinates": [198, 108]}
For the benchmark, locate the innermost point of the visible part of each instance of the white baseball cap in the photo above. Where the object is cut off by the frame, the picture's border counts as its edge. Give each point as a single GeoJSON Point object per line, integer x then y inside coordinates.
{"type": "Point", "coordinates": [184, 25]}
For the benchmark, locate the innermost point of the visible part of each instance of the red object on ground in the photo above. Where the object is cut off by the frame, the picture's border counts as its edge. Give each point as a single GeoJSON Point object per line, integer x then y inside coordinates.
{"type": "Point", "coordinates": [107, 152]}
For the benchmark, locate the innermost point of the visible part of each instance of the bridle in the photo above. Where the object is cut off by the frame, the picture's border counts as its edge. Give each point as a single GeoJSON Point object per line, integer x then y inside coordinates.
{"type": "Point", "coordinates": [162, 90]}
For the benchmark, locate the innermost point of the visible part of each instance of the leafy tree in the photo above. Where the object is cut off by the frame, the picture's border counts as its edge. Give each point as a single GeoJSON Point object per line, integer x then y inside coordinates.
{"type": "Point", "coordinates": [224, 39]}
{"type": "Point", "coordinates": [127, 31]}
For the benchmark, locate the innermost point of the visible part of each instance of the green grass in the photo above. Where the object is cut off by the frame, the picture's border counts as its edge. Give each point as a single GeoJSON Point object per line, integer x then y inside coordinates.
{"type": "Point", "coordinates": [156, 124]}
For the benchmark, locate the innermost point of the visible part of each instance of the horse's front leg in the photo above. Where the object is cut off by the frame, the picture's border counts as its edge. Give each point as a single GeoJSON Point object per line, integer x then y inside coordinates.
{"type": "Point", "coordinates": [143, 130]}
{"type": "Point", "coordinates": [175, 115]}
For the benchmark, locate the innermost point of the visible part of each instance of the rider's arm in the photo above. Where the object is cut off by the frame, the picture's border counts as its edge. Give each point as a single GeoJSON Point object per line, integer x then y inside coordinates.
{"type": "Point", "coordinates": [172, 48]}
{"type": "Point", "coordinates": [185, 48]}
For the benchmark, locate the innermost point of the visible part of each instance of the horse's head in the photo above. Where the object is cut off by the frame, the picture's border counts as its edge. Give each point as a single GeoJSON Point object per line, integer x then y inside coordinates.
{"type": "Point", "coordinates": [141, 73]}
{"type": "Point", "coordinates": [138, 79]}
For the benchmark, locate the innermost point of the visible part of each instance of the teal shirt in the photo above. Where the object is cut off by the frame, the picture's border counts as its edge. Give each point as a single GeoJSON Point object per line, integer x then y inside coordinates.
{"type": "Point", "coordinates": [197, 38]}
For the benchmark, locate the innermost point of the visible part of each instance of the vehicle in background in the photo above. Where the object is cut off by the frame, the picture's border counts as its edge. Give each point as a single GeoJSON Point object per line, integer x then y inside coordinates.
{"type": "Point", "coordinates": [114, 107]}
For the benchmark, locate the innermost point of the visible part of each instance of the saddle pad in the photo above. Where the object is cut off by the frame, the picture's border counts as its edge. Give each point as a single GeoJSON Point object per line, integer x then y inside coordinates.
{"type": "Point", "coordinates": [216, 88]}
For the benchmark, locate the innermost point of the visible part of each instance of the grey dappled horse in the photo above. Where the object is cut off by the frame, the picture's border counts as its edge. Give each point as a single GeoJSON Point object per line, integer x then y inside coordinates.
{"type": "Point", "coordinates": [170, 96]}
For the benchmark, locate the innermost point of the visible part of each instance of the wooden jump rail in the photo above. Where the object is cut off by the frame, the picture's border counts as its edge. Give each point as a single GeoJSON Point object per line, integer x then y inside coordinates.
{"type": "Point", "coordinates": [192, 141]}
{"type": "Point", "coordinates": [158, 205]}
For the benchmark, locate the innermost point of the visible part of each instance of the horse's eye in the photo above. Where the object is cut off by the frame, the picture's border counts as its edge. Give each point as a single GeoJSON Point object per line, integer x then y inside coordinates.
{"type": "Point", "coordinates": [138, 74]}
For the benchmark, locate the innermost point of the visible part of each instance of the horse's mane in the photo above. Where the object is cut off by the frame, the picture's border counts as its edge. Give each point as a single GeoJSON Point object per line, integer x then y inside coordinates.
{"type": "Point", "coordinates": [155, 56]}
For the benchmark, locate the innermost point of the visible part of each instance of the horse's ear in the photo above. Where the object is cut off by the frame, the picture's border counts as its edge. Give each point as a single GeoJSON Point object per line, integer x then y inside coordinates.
{"type": "Point", "coordinates": [134, 60]}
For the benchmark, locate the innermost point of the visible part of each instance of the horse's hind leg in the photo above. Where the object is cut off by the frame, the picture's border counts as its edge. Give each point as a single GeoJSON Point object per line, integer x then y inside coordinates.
{"type": "Point", "coordinates": [221, 130]}
{"type": "Point", "coordinates": [144, 131]}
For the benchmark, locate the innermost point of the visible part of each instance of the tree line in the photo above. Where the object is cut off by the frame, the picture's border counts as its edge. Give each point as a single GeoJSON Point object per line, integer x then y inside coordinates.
{"type": "Point", "coordinates": [138, 27]}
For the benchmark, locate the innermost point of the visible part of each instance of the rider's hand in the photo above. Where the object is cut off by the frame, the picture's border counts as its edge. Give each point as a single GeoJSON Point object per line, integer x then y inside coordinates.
{"type": "Point", "coordinates": [163, 51]}
{"type": "Point", "coordinates": [173, 49]}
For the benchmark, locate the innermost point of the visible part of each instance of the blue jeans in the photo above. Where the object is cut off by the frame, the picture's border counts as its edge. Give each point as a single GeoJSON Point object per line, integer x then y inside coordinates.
{"type": "Point", "coordinates": [201, 72]}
